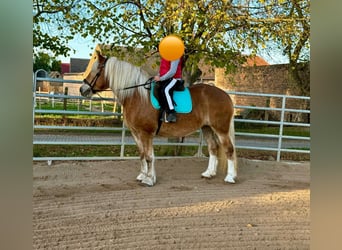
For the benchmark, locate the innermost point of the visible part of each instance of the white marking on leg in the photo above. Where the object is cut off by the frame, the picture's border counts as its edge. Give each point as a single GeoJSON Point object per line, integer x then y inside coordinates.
{"type": "Point", "coordinates": [152, 172]}
{"type": "Point", "coordinates": [231, 172]}
{"type": "Point", "coordinates": [232, 164]}
{"type": "Point", "coordinates": [212, 166]}
{"type": "Point", "coordinates": [143, 170]}
{"type": "Point", "coordinates": [150, 178]}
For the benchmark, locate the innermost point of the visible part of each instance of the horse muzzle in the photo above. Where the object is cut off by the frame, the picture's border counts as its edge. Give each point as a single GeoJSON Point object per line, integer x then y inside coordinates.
{"type": "Point", "coordinates": [86, 90]}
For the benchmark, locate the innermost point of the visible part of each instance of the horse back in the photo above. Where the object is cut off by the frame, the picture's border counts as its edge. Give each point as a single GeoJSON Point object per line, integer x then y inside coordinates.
{"type": "Point", "coordinates": [210, 96]}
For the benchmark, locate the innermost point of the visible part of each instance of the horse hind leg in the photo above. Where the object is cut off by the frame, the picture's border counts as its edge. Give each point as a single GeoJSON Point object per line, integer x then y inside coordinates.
{"type": "Point", "coordinates": [229, 146]}
{"type": "Point", "coordinates": [213, 148]}
{"type": "Point", "coordinates": [231, 168]}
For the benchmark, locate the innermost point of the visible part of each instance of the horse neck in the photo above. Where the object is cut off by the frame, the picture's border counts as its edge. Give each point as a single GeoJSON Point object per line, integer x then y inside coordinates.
{"type": "Point", "coordinates": [134, 102]}
{"type": "Point", "coordinates": [122, 76]}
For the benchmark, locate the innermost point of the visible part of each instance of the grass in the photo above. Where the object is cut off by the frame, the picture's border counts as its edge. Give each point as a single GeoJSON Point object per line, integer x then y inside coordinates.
{"type": "Point", "coordinates": [287, 130]}
{"type": "Point", "coordinates": [75, 105]}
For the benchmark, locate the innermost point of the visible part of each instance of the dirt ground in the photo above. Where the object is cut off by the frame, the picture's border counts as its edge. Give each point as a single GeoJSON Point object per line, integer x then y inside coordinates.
{"type": "Point", "coordinates": [99, 205]}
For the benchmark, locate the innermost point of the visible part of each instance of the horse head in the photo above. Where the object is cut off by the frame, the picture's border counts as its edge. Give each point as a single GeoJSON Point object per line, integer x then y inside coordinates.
{"type": "Point", "coordinates": [94, 77]}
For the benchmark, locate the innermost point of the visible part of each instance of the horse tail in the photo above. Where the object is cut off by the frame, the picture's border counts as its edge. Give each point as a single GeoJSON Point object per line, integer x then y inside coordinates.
{"type": "Point", "coordinates": [232, 139]}
{"type": "Point", "coordinates": [222, 157]}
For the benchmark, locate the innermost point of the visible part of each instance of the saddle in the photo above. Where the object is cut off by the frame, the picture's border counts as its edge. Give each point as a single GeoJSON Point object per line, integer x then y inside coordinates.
{"type": "Point", "coordinates": [180, 96]}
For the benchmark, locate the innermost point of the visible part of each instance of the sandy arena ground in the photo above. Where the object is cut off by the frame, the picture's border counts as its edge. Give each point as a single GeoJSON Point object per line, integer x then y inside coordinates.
{"type": "Point", "coordinates": [99, 205]}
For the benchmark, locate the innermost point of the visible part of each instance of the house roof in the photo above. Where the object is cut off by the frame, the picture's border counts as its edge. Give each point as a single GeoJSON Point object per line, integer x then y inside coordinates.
{"type": "Point", "coordinates": [78, 65]}
{"type": "Point", "coordinates": [55, 74]}
{"type": "Point", "coordinates": [255, 61]}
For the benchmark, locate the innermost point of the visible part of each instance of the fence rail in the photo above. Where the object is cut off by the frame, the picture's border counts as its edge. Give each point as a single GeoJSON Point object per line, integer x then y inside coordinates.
{"type": "Point", "coordinates": [196, 140]}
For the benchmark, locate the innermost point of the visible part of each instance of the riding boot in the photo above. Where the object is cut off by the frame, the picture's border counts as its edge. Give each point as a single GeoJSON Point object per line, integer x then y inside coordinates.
{"type": "Point", "coordinates": [171, 116]}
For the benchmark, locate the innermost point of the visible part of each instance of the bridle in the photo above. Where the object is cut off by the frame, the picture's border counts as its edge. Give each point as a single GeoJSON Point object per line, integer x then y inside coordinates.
{"type": "Point", "coordinates": [93, 81]}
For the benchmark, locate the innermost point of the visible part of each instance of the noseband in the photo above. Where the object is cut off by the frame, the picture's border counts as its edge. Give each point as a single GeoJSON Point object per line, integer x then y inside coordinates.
{"type": "Point", "coordinates": [93, 81]}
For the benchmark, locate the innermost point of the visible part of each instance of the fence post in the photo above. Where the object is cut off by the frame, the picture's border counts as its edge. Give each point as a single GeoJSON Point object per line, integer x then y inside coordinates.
{"type": "Point", "coordinates": [268, 101]}
{"type": "Point", "coordinates": [35, 75]}
{"type": "Point", "coordinates": [200, 145]}
{"type": "Point", "coordinates": [281, 127]}
{"type": "Point", "coordinates": [40, 100]}
{"type": "Point", "coordinates": [65, 100]}
{"type": "Point", "coordinates": [65, 103]}
{"type": "Point", "coordinates": [53, 99]}
{"type": "Point", "coordinates": [122, 151]}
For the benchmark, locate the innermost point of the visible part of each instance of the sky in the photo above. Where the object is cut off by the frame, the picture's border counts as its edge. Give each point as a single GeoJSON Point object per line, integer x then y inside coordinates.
{"type": "Point", "coordinates": [83, 46]}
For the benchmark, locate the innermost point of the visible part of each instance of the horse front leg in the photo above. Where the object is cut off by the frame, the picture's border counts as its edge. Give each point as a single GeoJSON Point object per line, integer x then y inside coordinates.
{"type": "Point", "coordinates": [143, 170]}
{"type": "Point", "coordinates": [150, 178]}
{"type": "Point", "coordinates": [147, 173]}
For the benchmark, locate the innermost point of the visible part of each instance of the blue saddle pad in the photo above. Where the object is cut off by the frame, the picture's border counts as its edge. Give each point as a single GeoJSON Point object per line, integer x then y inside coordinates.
{"type": "Point", "coordinates": [182, 99]}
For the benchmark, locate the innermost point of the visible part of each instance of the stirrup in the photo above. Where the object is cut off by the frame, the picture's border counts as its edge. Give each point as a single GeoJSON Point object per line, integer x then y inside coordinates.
{"type": "Point", "coordinates": [171, 117]}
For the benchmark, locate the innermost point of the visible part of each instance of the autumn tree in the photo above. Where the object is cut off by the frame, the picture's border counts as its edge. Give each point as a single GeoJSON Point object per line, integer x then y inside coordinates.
{"type": "Point", "coordinates": [286, 25]}
{"type": "Point", "coordinates": [213, 31]}
{"type": "Point", "coordinates": [52, 22]}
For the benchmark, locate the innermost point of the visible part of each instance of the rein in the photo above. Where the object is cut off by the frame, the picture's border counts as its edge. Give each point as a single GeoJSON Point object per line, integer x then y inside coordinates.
{"type": "Point", "coordinates": [148, 82]}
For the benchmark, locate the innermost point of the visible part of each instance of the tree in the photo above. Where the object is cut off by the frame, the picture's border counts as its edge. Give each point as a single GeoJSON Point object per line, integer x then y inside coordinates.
{"type": "Point", "coordinates": [299, 43]}
{"type": "Point", "coordinates": [287, 24]}
{"type": "Point", "coordinates": [51, 20]}
{"type": "Point", "coordinates": [56, 65]}
{"type": "Point", "coordinates": [46, 62]}
{"type": "Point", "coordinates": [213, 31]}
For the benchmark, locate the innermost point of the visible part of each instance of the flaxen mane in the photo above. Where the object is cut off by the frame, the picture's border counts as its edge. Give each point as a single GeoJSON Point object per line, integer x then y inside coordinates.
{"type": "Point", "coordinates": [121, 75]}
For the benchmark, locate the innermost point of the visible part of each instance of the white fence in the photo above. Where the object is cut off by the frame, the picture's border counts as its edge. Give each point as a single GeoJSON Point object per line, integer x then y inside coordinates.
{"type": "Point", "coordinates": [254, 141]}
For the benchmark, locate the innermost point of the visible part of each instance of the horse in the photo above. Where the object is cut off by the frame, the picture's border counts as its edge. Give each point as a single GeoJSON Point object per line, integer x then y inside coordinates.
{"type": "Point", "coordinates": [212, 112]}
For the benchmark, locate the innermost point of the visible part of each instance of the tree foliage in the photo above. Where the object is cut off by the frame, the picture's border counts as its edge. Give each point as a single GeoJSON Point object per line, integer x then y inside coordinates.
{"type": "Point", "coordinates": [52, 25]}
{"type": "Point", "coordinates": [288, 25]}
{"type": "Point", "coordinates": [213, 31]}
{"type": "Point", "coordinates": [45, 61]}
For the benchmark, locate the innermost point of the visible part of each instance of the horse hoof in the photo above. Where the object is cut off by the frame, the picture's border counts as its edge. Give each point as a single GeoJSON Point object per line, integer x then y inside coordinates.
{"type": "Point", "coordinates": [208, 175]}
{"type": "Point", "coordinates": [141, 176]}
{"type": "Point", "coordinates": [229, 179]}
{"type": "Point", "coordinates": [147, 182]}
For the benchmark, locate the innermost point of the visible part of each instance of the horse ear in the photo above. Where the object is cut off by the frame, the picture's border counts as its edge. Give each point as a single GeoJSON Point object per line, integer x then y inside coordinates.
{"type": "Point", "coordinates": [98, 53]}
{"type": "Point", "coordinates": [100, 57]}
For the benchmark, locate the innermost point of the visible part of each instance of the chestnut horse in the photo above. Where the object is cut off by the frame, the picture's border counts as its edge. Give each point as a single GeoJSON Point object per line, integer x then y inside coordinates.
{"type": "Point", "coordinates": [212, 111]}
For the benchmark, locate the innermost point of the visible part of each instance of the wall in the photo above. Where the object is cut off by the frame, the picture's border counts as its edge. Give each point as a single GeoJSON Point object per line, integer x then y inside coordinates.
{"type": "Point", "coordinates": [74, 88]}
{"type": "Point", "coordinates": [273, 79]}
